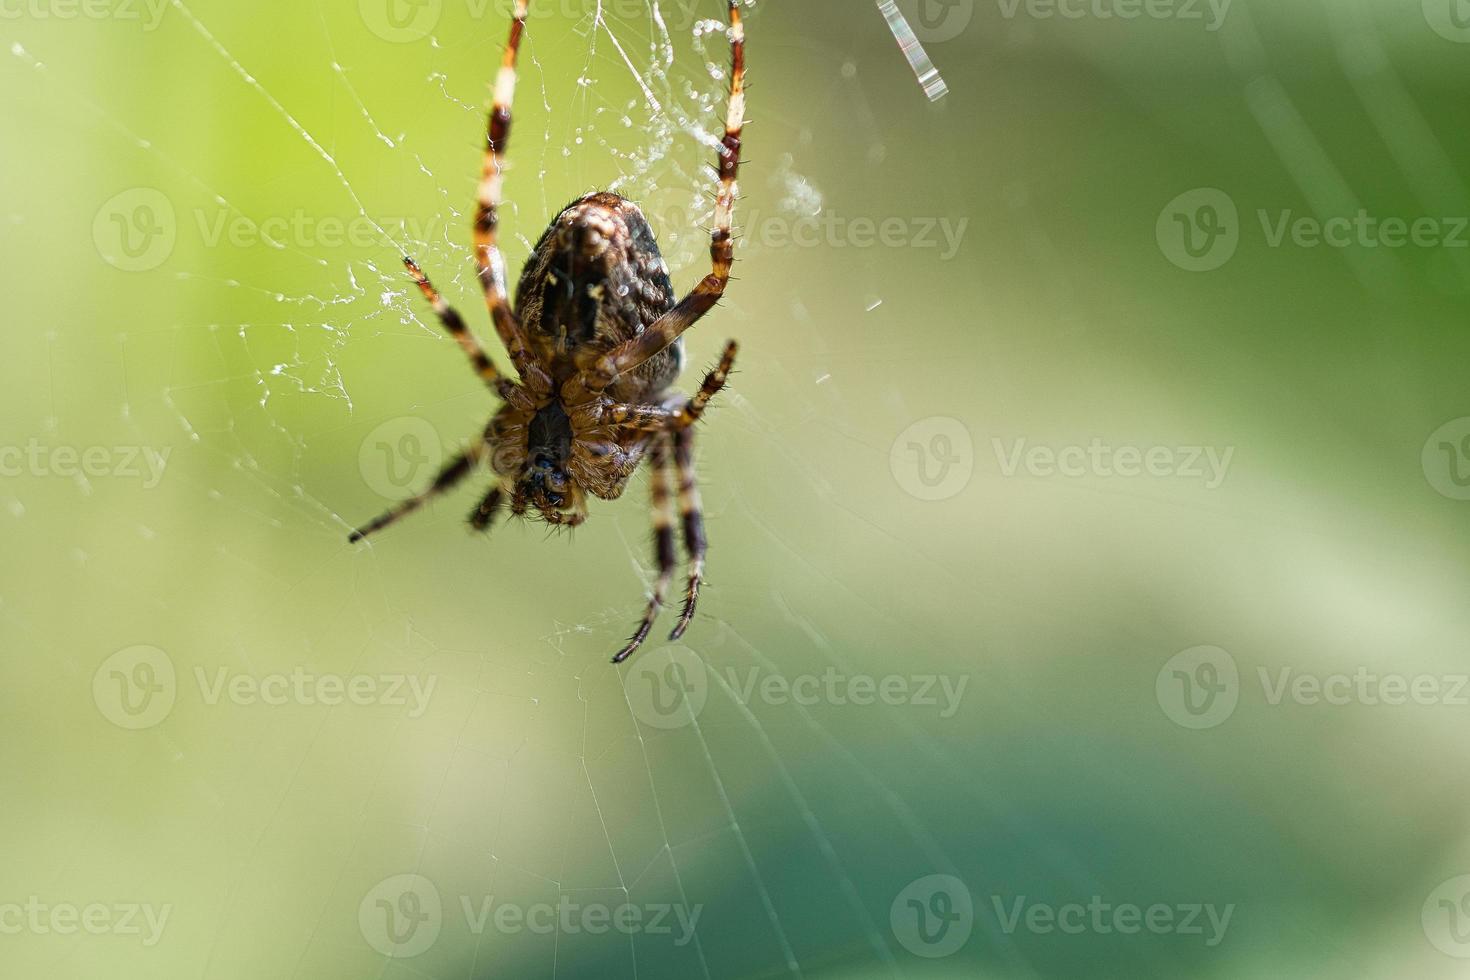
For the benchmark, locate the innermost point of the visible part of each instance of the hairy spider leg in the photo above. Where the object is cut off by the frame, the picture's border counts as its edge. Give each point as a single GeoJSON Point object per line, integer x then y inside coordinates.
{"type": "Point", "coordinates": [488, 260]}
{"type": "Point", "coordinates": [692, 515]}
{"type": "Point", "coordinates": [714, 381]}
{"type": "Point", "coordinates": [662, 513]}
{"type": "Point", "coordinates": [667, 328]}
{"type": "Point", "coordinates": [450, 475]}
{"type": "Point", "coordinates": [656, 418]}
{"type": "Point", "coordinates": [454, 324]}
{"type": "Point", "coordinates": [484, 513]}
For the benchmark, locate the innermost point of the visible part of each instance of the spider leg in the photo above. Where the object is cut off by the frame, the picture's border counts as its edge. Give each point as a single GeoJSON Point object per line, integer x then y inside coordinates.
{"type": "Point", "coordinates": [484, 514]}
{"type": "Point", "coordinates": [714, 381]}
{"type": "Point", "coordinates": [663, 542]}
{"type": "Point", "coordinates": [487, 214]}
{"type": "Point", "coordinates": [575, 518]}
{"type": "Point", "coordinates": [455, 325]}
{"type": "Point", "coordinates": [659, 418]}
{"type": "Point", "coordinates": [663, 331]}
{"type": "Point", "coordinates": [451, 473]}
{"type": "Point", "coordinates": [649, 418]}
{"type": "Point", "coordinates": [693, 517]}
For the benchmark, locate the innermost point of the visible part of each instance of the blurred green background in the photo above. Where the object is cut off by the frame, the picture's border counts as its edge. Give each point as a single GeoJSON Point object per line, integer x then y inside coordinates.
{"type": "Point", "coordinates": [991, 344]}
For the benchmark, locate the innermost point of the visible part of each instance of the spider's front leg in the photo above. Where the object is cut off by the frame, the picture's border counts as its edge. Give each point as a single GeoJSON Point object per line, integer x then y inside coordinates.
{"type": "Point", "coordinates": [658, 335]}
{"type": "Point", "coordinates": [455, 326]}
{"type": "Point", "coordinates": [455, 470]}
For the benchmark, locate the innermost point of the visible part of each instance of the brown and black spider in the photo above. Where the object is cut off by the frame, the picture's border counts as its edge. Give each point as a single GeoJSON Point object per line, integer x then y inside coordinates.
{"type": "Point", "coordinates": [596, 339]}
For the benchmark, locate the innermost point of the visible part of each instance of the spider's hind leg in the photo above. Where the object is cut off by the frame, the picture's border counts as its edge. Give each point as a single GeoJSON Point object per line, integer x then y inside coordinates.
{"type": "Point", "coordinates": [692, 514]}
{"type": "Point", "coordinates": [663, 542]}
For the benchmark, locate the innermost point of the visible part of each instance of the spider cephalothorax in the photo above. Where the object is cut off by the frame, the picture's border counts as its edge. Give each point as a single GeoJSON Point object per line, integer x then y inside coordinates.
{"type": "Point", "coordinates": [596, 339]}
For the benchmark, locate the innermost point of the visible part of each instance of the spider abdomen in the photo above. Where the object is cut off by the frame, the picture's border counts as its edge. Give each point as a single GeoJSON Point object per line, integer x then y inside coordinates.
{"type": "Point", "coordinates": [596, 279]}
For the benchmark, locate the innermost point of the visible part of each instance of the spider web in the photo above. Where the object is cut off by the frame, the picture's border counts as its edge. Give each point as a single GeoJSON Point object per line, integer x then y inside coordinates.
{"type": "Point", "coordinates": [532, 777]}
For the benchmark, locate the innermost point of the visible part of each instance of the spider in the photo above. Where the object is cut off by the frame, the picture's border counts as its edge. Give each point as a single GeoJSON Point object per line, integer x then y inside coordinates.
{"type": "Point", "coordinates": [596, 340]}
